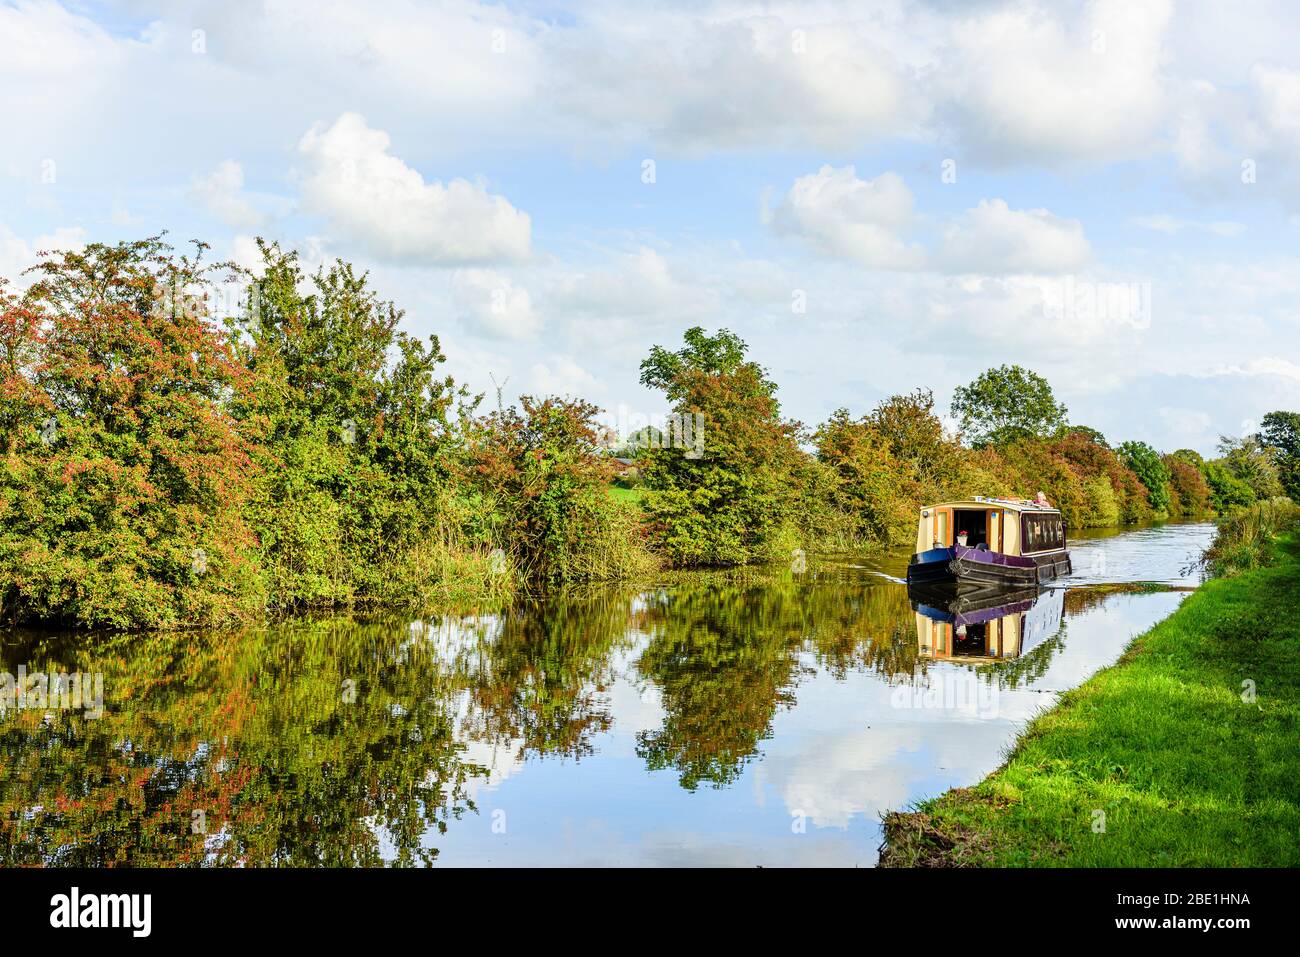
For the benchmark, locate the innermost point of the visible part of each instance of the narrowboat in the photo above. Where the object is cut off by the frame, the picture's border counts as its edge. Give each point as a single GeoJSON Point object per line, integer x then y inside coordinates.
{"type": "Point", "coordinates": [984, 542]}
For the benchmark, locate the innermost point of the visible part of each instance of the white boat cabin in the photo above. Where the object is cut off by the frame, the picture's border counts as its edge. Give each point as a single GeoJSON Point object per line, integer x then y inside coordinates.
{"type": "Point", "coordinates": [1007, 525]}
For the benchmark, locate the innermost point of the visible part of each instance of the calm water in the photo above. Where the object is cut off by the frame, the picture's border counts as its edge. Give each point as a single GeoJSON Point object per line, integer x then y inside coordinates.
{"type": "Point", "coordinates": [744, 719]}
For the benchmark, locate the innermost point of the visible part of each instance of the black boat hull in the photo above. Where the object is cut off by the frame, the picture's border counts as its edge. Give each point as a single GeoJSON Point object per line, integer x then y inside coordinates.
{"type": "Point", "coordinates": [964, 569]}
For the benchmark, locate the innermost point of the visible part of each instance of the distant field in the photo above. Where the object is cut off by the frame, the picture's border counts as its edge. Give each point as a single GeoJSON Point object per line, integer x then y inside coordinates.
{"type": "Point", "coordinates": [619, 493]}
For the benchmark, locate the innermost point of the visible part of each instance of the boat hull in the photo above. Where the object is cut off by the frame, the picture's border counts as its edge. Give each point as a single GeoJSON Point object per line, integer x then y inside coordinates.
{"type": "Point", "coordinates": [961, 568]}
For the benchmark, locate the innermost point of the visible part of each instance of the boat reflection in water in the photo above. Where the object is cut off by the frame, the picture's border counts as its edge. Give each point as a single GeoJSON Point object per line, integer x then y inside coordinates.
{"type": "Point", "coordinates": [985, 627]}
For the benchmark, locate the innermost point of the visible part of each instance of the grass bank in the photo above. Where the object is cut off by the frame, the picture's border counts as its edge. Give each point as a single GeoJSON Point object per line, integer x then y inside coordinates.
{"type": "Point", "coordinates": [1183, 753]}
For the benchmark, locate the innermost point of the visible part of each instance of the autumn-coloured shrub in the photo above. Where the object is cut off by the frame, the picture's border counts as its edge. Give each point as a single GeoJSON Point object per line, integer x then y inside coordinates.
{"type": "Point", "coordinates": [1189, 493]}
{"type": "Point", "coordinates": [731, 497]}
{"type": "Point", "coordinates": [124, 470]}
{"type": "Point", "coordinates": [1092, 457]}
{"type": "Point", "coordinates": [538, 464]}
{"type": "Point", "coordinates": [866, 480]}
{"type": "Point", "coordinates": [896, 459]}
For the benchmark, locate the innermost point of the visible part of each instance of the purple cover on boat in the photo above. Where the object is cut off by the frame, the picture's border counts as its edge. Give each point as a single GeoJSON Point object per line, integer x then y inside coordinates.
{"type": "Point", "coordinates": [988, 557]}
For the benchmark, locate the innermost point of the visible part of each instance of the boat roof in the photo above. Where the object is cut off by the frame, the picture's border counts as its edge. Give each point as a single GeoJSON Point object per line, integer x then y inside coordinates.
{"type": "Point", "coordinates": [990, 501]}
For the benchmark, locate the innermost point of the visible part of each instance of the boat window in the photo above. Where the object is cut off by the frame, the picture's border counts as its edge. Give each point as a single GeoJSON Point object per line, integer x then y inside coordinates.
{"type": "Point", "coordinates": [1041, 533]}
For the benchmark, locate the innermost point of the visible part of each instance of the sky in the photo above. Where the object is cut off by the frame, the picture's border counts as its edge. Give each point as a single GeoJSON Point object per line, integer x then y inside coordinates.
{"type": "Point", "coordinates": [877, 197]}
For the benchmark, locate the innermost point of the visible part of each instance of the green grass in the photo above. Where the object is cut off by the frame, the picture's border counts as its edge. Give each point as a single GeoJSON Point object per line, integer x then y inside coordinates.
{"type": "Point", "coordinates": [1186, 772]}
{"type": "Point", "coordinates": [621, 494]}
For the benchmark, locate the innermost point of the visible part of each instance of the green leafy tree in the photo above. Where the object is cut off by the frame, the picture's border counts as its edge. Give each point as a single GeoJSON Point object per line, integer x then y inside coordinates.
{"type": "Point", "coordinates": [1253, 462]}
{"type": "Point", "coordinates": [721, 354]}
{"type": "Point", "coordinates": [1150, 470]}
{"type": "Point", "coordinates": [1005, 404]}
{"type": "Point", "coordinates": [726, 491]}
{"type": "Point", "coordinates": [357, 434]}
{"type": "Point", "coordinates": [1191, 456]}
{"type": "Point", "coordinates": [1227, 491]}
{"type": "Point", "coordinates": [1280, 431]}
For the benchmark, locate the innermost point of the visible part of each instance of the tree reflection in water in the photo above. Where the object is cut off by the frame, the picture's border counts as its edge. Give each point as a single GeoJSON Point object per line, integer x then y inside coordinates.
{"type": "Point", "coordinates": [346, 743]}
{"type": "Point", "coordinates": [235, 748]}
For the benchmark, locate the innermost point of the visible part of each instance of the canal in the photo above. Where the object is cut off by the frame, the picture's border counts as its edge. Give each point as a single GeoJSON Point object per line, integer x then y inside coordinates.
{"type": "Point", "coordinates": [748, 718]}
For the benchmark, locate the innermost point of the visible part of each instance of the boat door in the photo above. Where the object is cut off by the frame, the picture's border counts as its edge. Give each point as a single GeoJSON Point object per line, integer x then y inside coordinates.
{"type": "Point", "coordinates": [974, 522]}
{"type": "Point", "coordinates": [941, 530]}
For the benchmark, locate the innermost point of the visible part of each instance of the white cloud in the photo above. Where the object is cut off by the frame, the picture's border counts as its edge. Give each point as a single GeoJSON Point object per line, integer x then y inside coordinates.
{"type": "Point", "coordinates": [1186, 428]}
{"type": "Point", "coordinates": [1263, 132]}
{"type": "Point", "coordinates": [43, 46]}
{"type": "Point", "coordinates": [977, 318]}
{"type": "Point", "coordinates": [374, 199]}
{"type": "Point", "coordinates": [221, 194]}
{"type": "Point", "coordinates": [726, 77]}
{"type": "Point", "coordinates": [640, 287]}
{"type": "Point", "coordinates": [1195, 146]}
{"type": "Point", "coordinates": [564, 376]}
{"type": "Point", "coordinates": [994, 238]}
{"type": "Point", "coordinates": [18, 255]}
{"type": "Point", "coordinates": [493, 306]}
{"type": "Point", "coordinates": [851, 218]}
{"type": "Point", "coordinates": [244, 253]}
{"type": "Point", "coordinates": [1030, 83]}
{"type": "Point", "coordinates": [1262, 366]}
{"type": "Point", "coordinates": [1278, 98]}
{"type": "Point", "coordinates": [1164, 223]}
{"type": "Point", "coordinates": [1237, 141]}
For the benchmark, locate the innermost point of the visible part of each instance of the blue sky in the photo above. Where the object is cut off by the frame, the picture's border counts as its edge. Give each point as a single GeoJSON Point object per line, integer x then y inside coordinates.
{"type": "Point", "coordinates": [931, 181]}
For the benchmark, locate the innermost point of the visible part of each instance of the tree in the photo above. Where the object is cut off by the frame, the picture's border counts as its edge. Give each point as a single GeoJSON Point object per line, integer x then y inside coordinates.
{"type": "Point", "coordinates": [888, 464]}
{"type": "Point", "coordinates": [1091, 435]}
{"type": "Point", "coordinates": [1251, 461]}
{"type": "Point", "coordinates": [866, 479]}
{"type": "Point", "coordinates": [1007, 403]}
{"type": "Point", "coordinates": [1191, 456]}
{"type": "Point", "coordinates": [20, 351]}
{"type": "Point", "coordinates": [1189, 493]}
{"type": "Point", "coordinates": [1111, 491]}
{"type": "Point", "coordinates": [125, 470]}
{"type": "Point", "coordinates": [722, 354]}
{"type": "Point", "coordinates": [1281, 432]}
{"type": "Point", "coordinates": [542, 465]}
{"type": "Point", "coordinates": [728, 495]}
{"type": "Point", "coordinates": [913, 433]}
{"type": "Point", "coordinates": [1227, 492]}
{"type": "Point", "coordinates": [357, 441]}
{"type": "Point", "coordinates": [1150, 470]}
